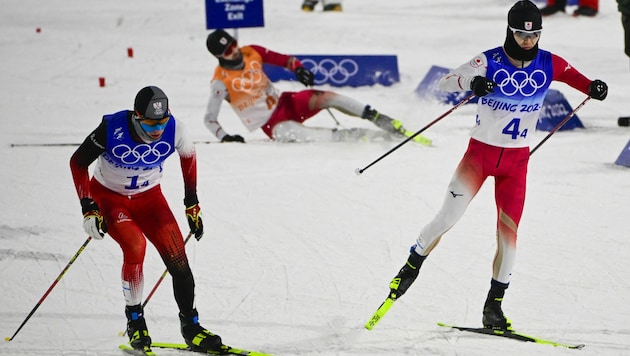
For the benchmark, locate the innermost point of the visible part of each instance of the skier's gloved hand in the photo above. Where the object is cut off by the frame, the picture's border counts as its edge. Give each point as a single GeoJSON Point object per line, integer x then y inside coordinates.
{"type": "Point", "coordinates": [482, 86]}
{"type": "Point", "coordinates": [193, 215]}
{"type": "Point", "coordinates": [93, 222]}
{"type": "Point", "coordinates": [305, 76]}
{"type": "Point", "coordinates": [233, 138]}
{"type": "Point", "coordinates": [598, 90]}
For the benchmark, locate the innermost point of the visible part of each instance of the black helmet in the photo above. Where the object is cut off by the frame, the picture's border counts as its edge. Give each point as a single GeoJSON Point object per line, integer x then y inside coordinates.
{"type": "Point", "coordinates": [151, 103]}
{"type": "Point", "coordinates": [525, 15]}
{"type": "Point", "coordinates": [218, 41]}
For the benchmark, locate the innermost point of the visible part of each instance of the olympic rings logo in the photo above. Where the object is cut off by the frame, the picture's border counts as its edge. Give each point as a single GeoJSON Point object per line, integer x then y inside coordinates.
{"type": "Point", "coordinates": [249, 78]}
{"type": "Point", "coordinates": [520, 82]}
{"type": "Point", "coordinates": [144, 153]}
{"type": "Point", "coordinates": [329, 70]}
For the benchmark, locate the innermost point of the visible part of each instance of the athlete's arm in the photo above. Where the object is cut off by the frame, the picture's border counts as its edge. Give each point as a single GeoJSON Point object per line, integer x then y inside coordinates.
{"type": "Point", "coordinates": [187, 157]}
{"type": "Point", "coordinates": [218, 93]}
{"type": "Point", "coordinates": [566, 73]}
{"type": "Point", "coordinates": [278, 59]}
{"type": "Point", "coordinates": [92, 147]}
{"type": "Point", "coordinates": [459, 79]}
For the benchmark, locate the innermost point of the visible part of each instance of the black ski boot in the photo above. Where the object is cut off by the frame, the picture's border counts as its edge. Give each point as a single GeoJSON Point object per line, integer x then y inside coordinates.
{"type": "Point", "coordinates": [198, 338]}
{"type": "Point", "coordinates": [406, 276]}
{"type": "Point", "coordinates": [333, 7]}
{"type": "Point", "coordinates": [137, 330]}
{"type": "Point", "coordinates": [309, 5]}
{"type": "Point", "coordinates": [383, 121]}
{"type": "Point", "coordinates": [558, 6]}
{"type": "Point", "coordinates": [493, 317]}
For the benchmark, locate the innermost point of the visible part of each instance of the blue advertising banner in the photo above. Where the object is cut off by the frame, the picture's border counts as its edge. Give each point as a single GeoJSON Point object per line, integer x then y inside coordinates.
{"type": "Point", "coordinates": [555, 107]}
{"type": "Point", "coordinates": [624, 156]}
{"type": "Point", "coordinates": [339, 70]}
{"type": "Point", "coordinates": [428, 88]}
{"type": "Point", "coordinates": [234, 14]}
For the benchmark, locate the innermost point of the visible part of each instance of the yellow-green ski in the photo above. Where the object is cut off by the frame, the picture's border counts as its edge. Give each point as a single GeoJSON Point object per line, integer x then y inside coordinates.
{"type": "Point", "coordinates": [425, 141]}
{"type": "Point", "coordinates": [511, 334]}
{"type": "Point", "coordinates": [131, 351]}
{"type": "Point", "coordinates": [380, 312]}
{"type": "Point", "coordinates": [226, 350]}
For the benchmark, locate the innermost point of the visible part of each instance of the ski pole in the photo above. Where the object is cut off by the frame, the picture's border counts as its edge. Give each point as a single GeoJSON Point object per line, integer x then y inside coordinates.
{"type": "Point", "coordinates": [51, 287]}
{"type": "Point", "coordinates": [564, 121]}
{"type": "Point", "coordinates": [464, 101]}
{"type": "Point", "coordinates": [333, 117]}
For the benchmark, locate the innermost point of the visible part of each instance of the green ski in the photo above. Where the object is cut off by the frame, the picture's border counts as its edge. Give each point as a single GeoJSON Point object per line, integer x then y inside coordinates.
{"type": "Point", "coordinates": [379, 313]}
{"type": "Point", "coordinates": [227, 350]}
{"type": "Point", "coordinates": [511, 334]}
{"type": "Point", "coordinates": [131, 351]}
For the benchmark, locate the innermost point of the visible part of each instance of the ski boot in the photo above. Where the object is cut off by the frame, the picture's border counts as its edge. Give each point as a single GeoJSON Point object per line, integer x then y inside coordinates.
{"type": "Point", "coordinates": [392, 126]}
{"type": "Point", "coordinates": [406, 276]}
{"type": "Point", "coordinates": [585, 11]}
{"type": "Point", "coordinates": [383, 121]}
{"type": "Point", "coordinates": [333, 7]}
{"type": "Point", "coordinates": [493, 317]}
{"type": "Point", "coordinates": [137, 330]}
{"type": "Point", "coordinates": [309, 5]}
{"type": "Point", "coordinates": [198, 338]}
{"type": "Point", "coordinates": [558, 6]}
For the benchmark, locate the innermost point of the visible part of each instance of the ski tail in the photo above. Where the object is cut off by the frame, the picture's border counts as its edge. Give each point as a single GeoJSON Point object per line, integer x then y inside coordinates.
{"type": "Point", "coordinates": [131, 351]}
{"type": "Point", "coordinates": [225, 350]}
{"type": "Point", "coordinates": [511, 334]}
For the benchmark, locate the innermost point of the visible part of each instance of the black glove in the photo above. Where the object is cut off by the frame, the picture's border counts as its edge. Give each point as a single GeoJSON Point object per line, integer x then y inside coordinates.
{"type": "Point", "coordinates": [598, 90]}
{"type": "Point", "coordinates": [482, 86]}
{"type": "Point", "coordinates": [305, 76]}
{"type": "Point", "coordinates": [233, 138]}
{"type": "Point", "coordinates": [93, 222]}
{"type": "Point", "coordinates": [193, 215]}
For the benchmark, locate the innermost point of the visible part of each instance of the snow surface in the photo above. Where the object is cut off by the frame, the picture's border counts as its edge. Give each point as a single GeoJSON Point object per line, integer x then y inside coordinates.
{"type": "Point", "coordinates": [298, 250]}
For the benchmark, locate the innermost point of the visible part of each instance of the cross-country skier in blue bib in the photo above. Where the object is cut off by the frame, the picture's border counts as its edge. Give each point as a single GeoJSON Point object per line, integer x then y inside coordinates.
{"type": "Point", "coordinates": [511, 82]}
{"type": "Point", "coordinates": [124, 199]}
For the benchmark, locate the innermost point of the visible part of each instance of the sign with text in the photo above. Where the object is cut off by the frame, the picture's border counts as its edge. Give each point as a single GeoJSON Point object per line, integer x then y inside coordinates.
{"type": "Point", "coordinates": [555, 108]}
{"type": "Point", "coordinates": [234, 14]}
{"type": "Point", "coordinates": [340, 70]}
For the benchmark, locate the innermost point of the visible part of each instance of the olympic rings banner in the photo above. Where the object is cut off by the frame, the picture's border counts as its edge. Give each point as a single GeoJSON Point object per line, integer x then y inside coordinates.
{"type": "Point", "coordinates": [339, 71]}
{"type": "Point", "coordinates": [555, 107]}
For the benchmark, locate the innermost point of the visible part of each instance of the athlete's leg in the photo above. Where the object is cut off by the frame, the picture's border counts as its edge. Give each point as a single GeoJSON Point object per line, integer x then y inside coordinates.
{"type": "Point", "coordinates": [464, 185]}
{"type": "Point", "coordinates": [156, 220]}
{"type": "Point", "coordinates": [123, 229]}
{"type": "Point", "coordinates": [510, 189]}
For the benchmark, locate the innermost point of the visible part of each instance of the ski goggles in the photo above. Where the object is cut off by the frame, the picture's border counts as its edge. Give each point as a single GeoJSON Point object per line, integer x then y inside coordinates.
{"type": "Point", "coordinates": [523, 35]}
{"type": "Point", "coordinates": [150, 125]}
